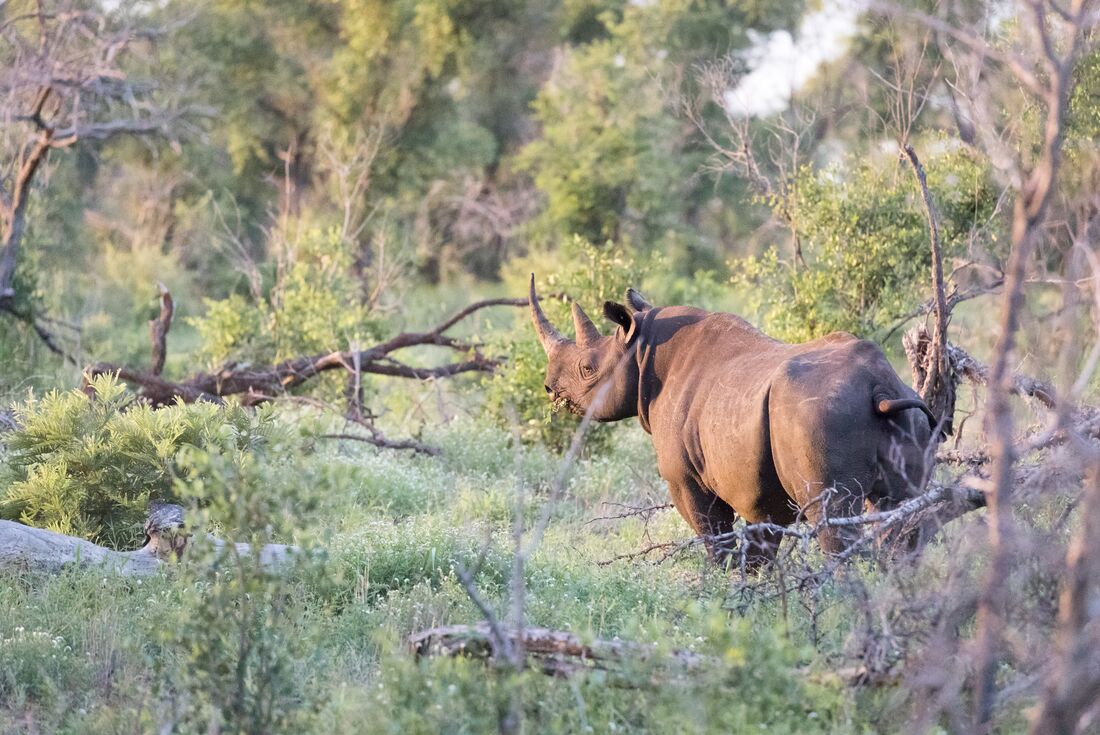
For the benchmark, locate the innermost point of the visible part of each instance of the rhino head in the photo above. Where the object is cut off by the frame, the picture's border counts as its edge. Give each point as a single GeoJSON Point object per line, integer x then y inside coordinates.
{"type": "Point", "coordinates": [596, 373]}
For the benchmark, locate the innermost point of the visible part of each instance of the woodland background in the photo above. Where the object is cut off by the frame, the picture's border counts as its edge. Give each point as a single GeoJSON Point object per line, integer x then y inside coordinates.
{"type": "Point", "coordinates": [263, 260]}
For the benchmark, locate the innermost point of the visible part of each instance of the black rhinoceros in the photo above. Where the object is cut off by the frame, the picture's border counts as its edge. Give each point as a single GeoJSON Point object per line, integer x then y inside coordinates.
{"type": "Point", "coordinates": [746, 425]}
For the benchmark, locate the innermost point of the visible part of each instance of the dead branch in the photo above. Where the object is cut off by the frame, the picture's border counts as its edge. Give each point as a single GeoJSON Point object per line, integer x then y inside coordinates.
{"type": "Point", "coordinates": [1020, 385]}
{"type": "Point", "coordinates": [377, 439]}
{"type": "Point", "coordinates": [63, 83]}
{"type": "Point", "coordinates": [501, 645]}
{"type": "Point", "coordinates": [158, 329]}
{"type": "Point", "coordinates": [44, 333]}
{"type": "Point", "coordinates": [935, 379]}
{"type": "Point", "coordinates": [257, 385]}
{"type": "Point", "coordinates": [944, 502]}
{"type": "Point", "coordinates": [553, 652]}
{"type": "Point", "coordinates": [631, 511]}
{"type": "Point", "coordinates": [954, 298]}
{"type": "Point", "coordinates": [917, 343]}
{"type": "Point", "coordinates": [972, 458]}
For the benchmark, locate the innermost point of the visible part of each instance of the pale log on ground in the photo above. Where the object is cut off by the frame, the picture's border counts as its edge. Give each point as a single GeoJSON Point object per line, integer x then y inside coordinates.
{"type": "Point", "coordinates": [554, 652]}
{"type": "Point", "coordinates": [38, 550]}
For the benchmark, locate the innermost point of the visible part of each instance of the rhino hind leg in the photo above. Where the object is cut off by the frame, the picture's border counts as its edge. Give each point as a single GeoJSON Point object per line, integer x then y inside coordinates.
{"type": "Point", "coordinates": [835, 501]}
{"type": "Point", "coordinates": [713, 520]}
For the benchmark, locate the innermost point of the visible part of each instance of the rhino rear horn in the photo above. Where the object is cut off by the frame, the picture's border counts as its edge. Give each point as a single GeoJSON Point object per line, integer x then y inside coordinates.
{"type": "Point", "coordinates": [549, 337]}
{"type": "Point", "coordinates": [587, 333]}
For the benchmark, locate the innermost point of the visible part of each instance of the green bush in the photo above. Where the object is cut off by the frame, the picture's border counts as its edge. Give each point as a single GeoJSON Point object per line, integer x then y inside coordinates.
{"type": "Point", "coordinates": [88, 467]}
{"type": "Point", "coordinates": [864, 237]}
{"type": "Point", "coordinates": [315, 303]}
{"type": "Point", "coordinates": [234, 648]}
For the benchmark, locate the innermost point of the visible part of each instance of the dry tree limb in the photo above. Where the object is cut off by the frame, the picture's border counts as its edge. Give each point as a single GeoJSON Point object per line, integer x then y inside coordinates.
{"type": "Point", "coordinates": [377, 439]}
{"type": "Point", "coordinates": [158, 329]}
{"type": "Point", "coordinates": [936, 382]}
{"type": "Point", "coordinates": [1021, 385]}
{"type": "Point", "coordinates": [44, 333]}
{"type": "Point", "coordinates": [553, 652]}
{"type": "Point", "coordinates": [631, 511]}
{"type": "Point", "coordinates": [969, 458]}
{"type": "Point", "coordinates": [64, 83]}
{"type": "Point", "coordinates": [917, 341]}
{"type": "Point", "coordinates": [35, 549]}
{"type": "Point", "coordinates": [257, 385]}
{"type": "Point", "coordinates": [943, 502]}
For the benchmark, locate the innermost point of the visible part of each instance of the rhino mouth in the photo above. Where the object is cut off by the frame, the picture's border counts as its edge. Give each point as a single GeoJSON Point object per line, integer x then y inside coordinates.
{"type": "Point", "coordinates": [564, 404]}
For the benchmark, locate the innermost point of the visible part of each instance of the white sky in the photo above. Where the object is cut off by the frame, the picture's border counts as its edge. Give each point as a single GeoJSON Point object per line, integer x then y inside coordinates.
{"type": "Point", "coordinates": [781, 64]}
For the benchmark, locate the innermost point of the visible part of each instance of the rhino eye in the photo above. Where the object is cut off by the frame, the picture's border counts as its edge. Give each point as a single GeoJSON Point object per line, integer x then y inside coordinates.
{"type": "Point", "coordinates": [587, 371]}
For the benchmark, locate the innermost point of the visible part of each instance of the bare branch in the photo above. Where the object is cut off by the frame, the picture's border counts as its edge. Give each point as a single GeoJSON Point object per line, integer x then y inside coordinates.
{"type": "Point", "coordinates": [262, 384]}
{"type": "Point", "coordinates": [158, 329]}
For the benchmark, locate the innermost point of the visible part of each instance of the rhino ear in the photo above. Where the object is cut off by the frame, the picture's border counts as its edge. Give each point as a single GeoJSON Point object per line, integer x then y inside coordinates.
{"type": "Point", "coordinates": [636, 300]}
{"type": "Point", "coordinates": [622, 316]}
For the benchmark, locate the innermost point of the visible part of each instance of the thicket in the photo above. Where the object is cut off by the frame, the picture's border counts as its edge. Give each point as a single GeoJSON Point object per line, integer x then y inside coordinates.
{"type": "Point", "coordinates": [87, 463]}
{"type": "Point", "coordinates": [862, 259]}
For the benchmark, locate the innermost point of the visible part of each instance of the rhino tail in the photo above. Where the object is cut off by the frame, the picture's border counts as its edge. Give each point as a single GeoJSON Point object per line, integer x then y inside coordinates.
{"type": "Point", "coordinates": [892, 406]}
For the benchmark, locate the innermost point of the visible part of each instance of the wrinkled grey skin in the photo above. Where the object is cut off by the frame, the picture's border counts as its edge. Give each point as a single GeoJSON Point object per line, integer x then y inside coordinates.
{"type": "Point", "coordinates": [745, 425]}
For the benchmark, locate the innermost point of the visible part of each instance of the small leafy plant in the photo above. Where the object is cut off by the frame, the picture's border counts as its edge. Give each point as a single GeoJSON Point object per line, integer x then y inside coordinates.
{"type": "Point", "coordinates": [88, 465]}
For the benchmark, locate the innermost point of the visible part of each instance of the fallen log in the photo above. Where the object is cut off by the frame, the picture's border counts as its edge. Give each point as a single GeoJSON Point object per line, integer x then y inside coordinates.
{"type": "Point", "coordinates": [553, 652]}
{"type": "Point", "coordinates": [562, 654]}
{"type": "Point", "coordinates": [24, 548]}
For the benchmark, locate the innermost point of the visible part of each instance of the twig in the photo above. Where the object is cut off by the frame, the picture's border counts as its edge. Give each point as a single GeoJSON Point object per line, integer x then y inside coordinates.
{"type": "Point", "coordinates": [158, 329]}
{"type": "Point", "coordinates": [380, 441]}
{"type": "Point", "coordinates": [647, 512]}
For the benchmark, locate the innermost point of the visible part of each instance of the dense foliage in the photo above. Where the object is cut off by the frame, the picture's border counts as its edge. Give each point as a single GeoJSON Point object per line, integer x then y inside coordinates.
{"type": "Point", "coordinates": [87, 463]}
{"type": "Point", "coordinates": [863, 238]}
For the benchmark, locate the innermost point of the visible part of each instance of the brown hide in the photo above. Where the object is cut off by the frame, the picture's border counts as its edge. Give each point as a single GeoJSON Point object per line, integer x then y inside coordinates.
{"type": "Point", "coordinates": [745, 425]}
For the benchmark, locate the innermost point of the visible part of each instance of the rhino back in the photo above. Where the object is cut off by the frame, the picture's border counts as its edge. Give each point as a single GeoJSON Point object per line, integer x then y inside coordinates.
{"type": "Point", "coordinates": [709, 412]}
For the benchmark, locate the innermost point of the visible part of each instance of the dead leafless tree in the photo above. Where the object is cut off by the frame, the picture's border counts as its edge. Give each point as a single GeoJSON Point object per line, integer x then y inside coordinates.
{"type": "Point", "coordinates": [65, 79]}
{"type": "Point", "coordinates": [1056, 37]}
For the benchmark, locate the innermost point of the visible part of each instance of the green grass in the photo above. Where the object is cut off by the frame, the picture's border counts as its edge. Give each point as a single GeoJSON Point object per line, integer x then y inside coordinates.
{"type": "Point", "coordinates": [84, 652]}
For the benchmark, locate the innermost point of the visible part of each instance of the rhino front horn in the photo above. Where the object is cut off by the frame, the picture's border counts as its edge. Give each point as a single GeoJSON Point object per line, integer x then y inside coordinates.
{"type": "Point", "coordinates": [549, 337]}
{"type": "Point", "coordinates": [587, 333]}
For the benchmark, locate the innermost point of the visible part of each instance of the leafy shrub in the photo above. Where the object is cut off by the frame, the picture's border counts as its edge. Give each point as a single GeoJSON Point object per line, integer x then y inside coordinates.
{"type": "Point", "coordinates": [88, 467]}
{"type": "Point", "coordinates": [234, 647]}
{"type": "Point", "coordinates": [314, 304]}
{"type": "Point", "coordinates": [864, 237]}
